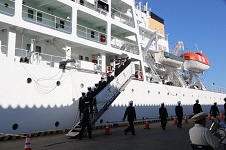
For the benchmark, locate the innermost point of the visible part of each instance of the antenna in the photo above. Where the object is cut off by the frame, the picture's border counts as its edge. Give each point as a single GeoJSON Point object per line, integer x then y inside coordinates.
{"type": "Point", "coordinates": [197, 47]}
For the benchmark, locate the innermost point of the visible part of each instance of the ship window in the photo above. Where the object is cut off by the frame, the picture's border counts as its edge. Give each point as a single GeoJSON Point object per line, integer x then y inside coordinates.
{"type": "Point", "coordinates": [81, 2]}
{"type": "Point", "coordinates": [39, 16]}
{"type": "Point", "coordinates": [28, 47]}
{"type": "Point", "coordinates": [38, 49]}
{"type": "Point", "coordinates": [62, 24]}
{"type": "Point", "coordinates": [92, 34]}
{"type": "Point", "coordinates": [80, 57]}
{"type": "Point", "coordinates": [86, 58]}
{"type": "Point", "coordinates": [30, 13]}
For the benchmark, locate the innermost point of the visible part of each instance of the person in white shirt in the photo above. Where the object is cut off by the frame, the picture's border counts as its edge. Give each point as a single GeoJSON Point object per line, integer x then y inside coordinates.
{"type": "Point", "coordinates": [201, 135]}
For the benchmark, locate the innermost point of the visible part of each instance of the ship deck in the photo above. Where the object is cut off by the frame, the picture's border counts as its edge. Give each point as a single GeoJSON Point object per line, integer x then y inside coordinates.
{"type": "Point", "coordinates": [154, 138]}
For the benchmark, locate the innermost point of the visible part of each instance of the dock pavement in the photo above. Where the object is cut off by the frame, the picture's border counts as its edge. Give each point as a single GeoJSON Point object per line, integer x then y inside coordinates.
{"type": "Point", "coordinates": [155, 138]}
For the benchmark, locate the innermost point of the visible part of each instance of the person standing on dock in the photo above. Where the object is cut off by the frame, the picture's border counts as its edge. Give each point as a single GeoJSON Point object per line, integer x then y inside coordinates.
{"type": "Point", "coordinates": [197, 107]}
{"type": "Point", "coordinates": [179, 114]}
{"type": "Point", "coordinates": [214, 110]}
{"type": "Point", "coordinates": [85, 122]}
{"type": "Point", "coordinates": [163, 116]}
{"type": "Point", "coordinates": [131, 117]}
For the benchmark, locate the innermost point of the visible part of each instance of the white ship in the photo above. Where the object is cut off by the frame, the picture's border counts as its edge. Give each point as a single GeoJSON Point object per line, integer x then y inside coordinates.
{"type": "Point", "coordinates": [36, 35]}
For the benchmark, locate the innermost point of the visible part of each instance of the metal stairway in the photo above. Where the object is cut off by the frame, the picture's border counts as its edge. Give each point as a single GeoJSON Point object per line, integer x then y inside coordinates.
{"type": "Point", "coordinates": [107, 96]}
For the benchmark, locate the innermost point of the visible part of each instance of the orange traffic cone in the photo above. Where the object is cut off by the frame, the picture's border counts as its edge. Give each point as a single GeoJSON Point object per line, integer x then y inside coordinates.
{"type": "Point", "coordinates": [146, 125]}
{"type": "Point", "coordinates": [185, 119]}
{"type": "Point", "coordinates": [107, 130]}
{"type": "Point", "coordinates": [27, 143]}
{"type": "Point", "coordinates": [175, 121]}
{"type": "Point", "coordinates": [209, 118]}
{"type": "Point", "coordinates": [221, 115]}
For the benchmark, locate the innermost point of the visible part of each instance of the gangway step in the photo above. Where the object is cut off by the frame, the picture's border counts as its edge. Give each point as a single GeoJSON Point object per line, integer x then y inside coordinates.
{"type": "Point", "coordinates": [75, 130]}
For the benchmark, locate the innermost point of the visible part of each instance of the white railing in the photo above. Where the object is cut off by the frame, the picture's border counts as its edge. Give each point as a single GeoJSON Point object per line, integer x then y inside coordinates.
{"type": "Point", "coordinates": [122, 17]}
{"type": "Point", "coordinates": [45, 19]}
{"type": "Point", "coordinates": [92, 6]}
{"type": "Point", "coordinates": [91, 34]}
{"type": "Point", "coordinates": [218, 89]}
{"type": "Point", "coordinates": [124, 45]}
{"type": "Point", "coordinates": [38, 57]}
{"type": "Point", "coordinates": [7, 9]}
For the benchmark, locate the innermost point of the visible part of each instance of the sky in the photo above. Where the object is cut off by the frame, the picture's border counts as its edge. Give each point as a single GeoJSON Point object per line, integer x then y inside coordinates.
{"type": "Point", "coordinates": [200, 22]}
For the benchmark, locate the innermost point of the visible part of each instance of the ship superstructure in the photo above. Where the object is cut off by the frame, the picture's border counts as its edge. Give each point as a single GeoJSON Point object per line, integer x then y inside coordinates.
{"type": "Point", "coordinates": [87, 36]}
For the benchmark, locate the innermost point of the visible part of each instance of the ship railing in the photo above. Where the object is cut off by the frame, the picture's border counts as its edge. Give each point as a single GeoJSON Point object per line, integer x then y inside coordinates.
{"type": "Point", "coordinates": [91, 34]}
{"type": "Point", "coordinates": [218, 89]}
{"type": "Point", "coordinates": [39, 58]}
{"type": "Point", "coordinates": [124, 45]}
{"type": "Point", "coordinates": [7, 8]}
{"type": "Point", "coordinates": [122, 17]}
{"type": "Point", "coordinates": [39, 17]}
{"type": "Point", "coordinates": [92, 6]}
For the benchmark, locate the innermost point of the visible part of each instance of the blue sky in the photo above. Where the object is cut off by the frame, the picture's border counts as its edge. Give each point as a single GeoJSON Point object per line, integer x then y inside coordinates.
{"type": "Point", "coordinates": [200, 22]}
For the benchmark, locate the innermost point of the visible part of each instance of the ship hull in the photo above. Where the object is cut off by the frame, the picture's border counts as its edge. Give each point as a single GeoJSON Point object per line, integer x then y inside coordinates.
{"type": "Point", "coordinates": [41, 105]}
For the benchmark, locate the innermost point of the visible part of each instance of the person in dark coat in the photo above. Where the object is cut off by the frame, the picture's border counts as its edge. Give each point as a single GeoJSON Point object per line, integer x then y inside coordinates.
{"type": "Point", "coordinates": [85, 122]}
{"type": "Point", "coordinates": [163, 116]}
{"type": "Point", "coordinates": [81, 105]}
{"type": "Point", "coordinates": [110, 77]}
{"type": "Point", "coordinates": [197, 107]}
{"type": "Point", "coordinates": [214, 110]}
{"type": "Point", "coordinates": [90, 96]}
{"type": "Point", "coordinates": [101, 85]}
{"type": "Point", "coordinates": [225, 110]}
{"type": "Point", "coordinates": [179, 114]}
{"type": "Point", "coordinates": [131, 117]}
{"type": "Point", "coordinates": [117, 69]}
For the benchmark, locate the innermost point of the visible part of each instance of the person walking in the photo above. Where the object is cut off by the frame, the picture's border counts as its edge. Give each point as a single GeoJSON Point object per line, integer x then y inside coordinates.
{"type": "Point", "coordinates": [131, 117]}
{"type": "Point", "coordinates": [163, 116]}
{"type": "Point", "coordinates": [85, 122]}
{"type": "Point", "coordinates": [179, 114]}
{"type": "Point", "coordinates": [197, 107]}
{"type": "Point", "coordinates": [81, 105]}
{"type": "Point", "coordinates": [214, 110]}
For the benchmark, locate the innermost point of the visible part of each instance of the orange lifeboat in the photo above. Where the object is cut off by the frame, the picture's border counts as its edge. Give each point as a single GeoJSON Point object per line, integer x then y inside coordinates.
{"type": "Point", "coordinates": [196, 62]}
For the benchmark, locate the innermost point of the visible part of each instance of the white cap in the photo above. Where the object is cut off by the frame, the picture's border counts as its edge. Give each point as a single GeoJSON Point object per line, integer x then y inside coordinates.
{"type": "Point", "coordinates": [198, 116]}
{"type": "Point", "coordinates": [131, 102]}
{"type": "Point", "coordinates": [178, 102]}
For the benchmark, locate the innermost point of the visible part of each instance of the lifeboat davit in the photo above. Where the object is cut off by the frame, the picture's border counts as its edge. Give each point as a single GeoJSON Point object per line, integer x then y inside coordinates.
{"type": "Point", "coordinates": [196, 62]}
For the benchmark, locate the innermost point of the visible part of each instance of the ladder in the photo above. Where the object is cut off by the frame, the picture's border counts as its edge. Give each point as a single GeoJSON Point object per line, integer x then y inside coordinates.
{"type": "Point", "coordinates": [107, 96]}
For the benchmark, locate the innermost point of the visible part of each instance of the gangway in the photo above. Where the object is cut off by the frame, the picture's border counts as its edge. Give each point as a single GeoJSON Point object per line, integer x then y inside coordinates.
{"type": "Point", "coordinates": [107, 96]}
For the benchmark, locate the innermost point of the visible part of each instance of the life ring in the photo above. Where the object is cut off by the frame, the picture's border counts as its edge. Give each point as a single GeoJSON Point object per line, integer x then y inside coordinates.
{"type": "Point", "coordinates": [102, 38]}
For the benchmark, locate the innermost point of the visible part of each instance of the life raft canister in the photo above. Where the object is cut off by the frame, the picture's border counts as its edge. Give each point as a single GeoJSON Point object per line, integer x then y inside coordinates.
{"type": "Point", "coordinates": [140, 75]}
{"type": "Point", "coordinates": [102, 38]}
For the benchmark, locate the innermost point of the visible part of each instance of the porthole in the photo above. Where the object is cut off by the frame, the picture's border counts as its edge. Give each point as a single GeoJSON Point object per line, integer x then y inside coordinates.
{"type": "Point", "coordinates": [183, 95]}
{"type": "Point", "coordinates": [176, 94]}
{"type": "Point", "coordinates": [132, 90]}
{"type": "Point", "coordinates": [57, 124]}
{"type": "Point", "coordinates": [158, 92]}
{"type": "Point", "coordinates": [167, 93]}
{"type": "Point", "coordinates": [148, 91]}
{"type": "Point", "coordinates": [82, 85]}
{"type": "Point", "coordinates": [15, 126]}
{"type": "Point", "coordinates": [192, 96]}
{"type": "Point", "coordinates": [29, 80]}
{"type": "Point", "coordinates": [58, 83]}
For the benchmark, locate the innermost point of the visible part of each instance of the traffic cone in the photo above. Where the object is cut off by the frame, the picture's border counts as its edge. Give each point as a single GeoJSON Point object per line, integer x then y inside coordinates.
{"type": "Point", "coordinates": [221, 115]}
{"type": "Point", "coordinates": [27, 143]}
{"type": "Point", "coordinates": [209, 118]}
{"type": "Point", "coordinates": [146, 125]}
{"type": "Point", "coordinates": [175, 121]}
{"type": "Point", "coordinates": [107, 130]}
{"type": "Point", "coordinates": [185, 119]}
